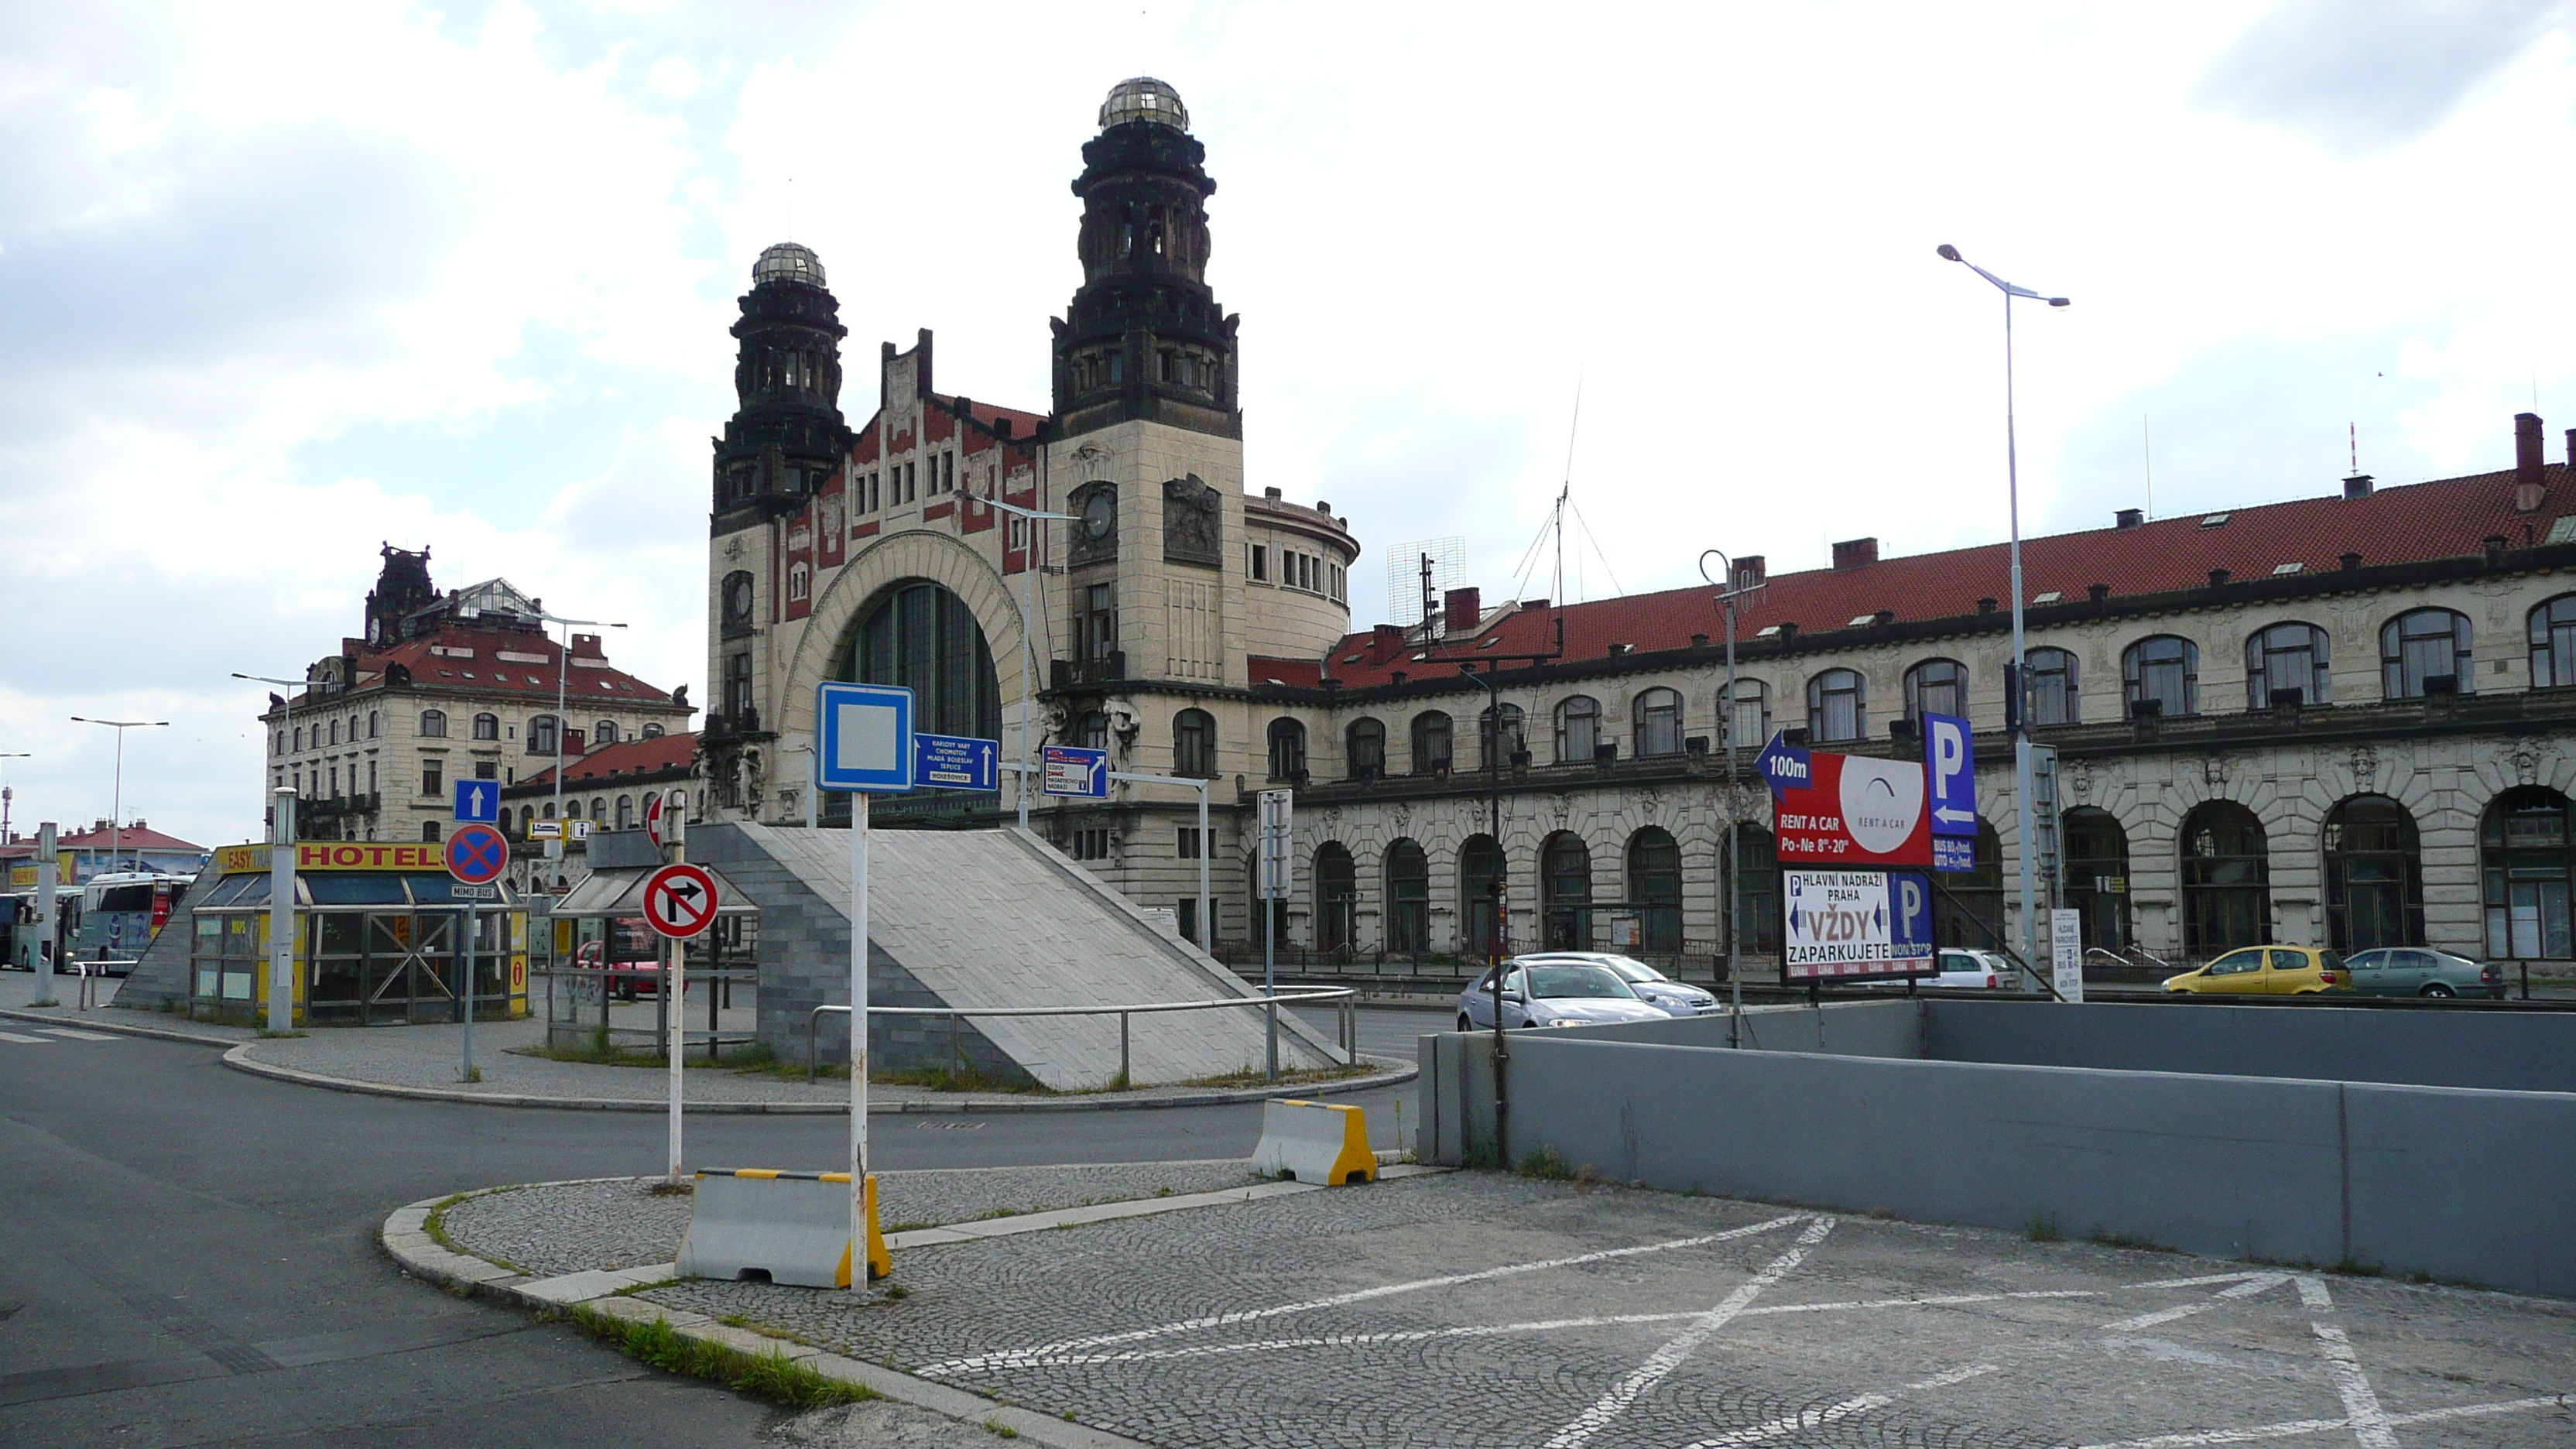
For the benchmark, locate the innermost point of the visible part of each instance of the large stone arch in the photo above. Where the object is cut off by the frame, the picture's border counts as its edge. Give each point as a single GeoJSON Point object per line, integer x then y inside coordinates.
{"type": "Point", "coordinates": [916, 554]}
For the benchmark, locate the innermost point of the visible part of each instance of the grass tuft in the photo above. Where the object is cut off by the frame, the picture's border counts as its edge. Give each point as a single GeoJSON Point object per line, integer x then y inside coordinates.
{"type": "Point", "coordinates": [1000, 1429]}
{"type": "Point", "coordinates": [2042, 1228]}
{"type": "Point", "coordinates": [772, 1376]}
{"type": "Point", "coordinates": [1550, 1164]}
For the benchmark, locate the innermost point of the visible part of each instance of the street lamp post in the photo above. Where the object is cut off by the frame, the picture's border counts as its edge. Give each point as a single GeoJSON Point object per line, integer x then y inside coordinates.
{"type": "Point", "coordinates": [116, 808]}
{"type": "Point", "coordinates": [563, 673]}
{"type": "Point", "coordinates": [2014, 701]}
{"type": "Point", "coordinates": [1728, 593]}
{"type": "Point", "coordinates": [1029, 643]}
{"type": "Point", "coordinates": [5, 794]}
{"type": "Point", "coordinates": [286, 712]}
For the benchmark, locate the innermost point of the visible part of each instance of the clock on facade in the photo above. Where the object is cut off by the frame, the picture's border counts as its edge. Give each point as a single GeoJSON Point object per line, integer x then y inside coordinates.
{"type": "Point", "coordinates": [1100, 515]}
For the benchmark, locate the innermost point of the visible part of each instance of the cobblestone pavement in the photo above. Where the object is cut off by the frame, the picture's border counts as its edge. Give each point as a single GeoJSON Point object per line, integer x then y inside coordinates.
{"type": "Point", "coordinates": [622, 1223]}
{"type": "Point", "coordinates": [1472, 1309]}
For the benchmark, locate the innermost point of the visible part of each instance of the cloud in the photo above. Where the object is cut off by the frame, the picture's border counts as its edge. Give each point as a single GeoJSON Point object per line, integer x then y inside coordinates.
{"type": "Point", "coordinates": [2361, 78]}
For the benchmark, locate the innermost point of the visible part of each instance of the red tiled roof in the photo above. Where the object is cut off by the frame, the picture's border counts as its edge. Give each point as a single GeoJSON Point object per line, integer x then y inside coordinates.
{"type": "Point", "coordinates": [1023, 424]}
{"type": "Point", "coordinates": [626, 758]}
{"type": "Point", "coordinates": [486, 673]}
{"type": "Point", "coordinates": [134, 837]}
{"type": "Point", "coordinates": [2417, 523]}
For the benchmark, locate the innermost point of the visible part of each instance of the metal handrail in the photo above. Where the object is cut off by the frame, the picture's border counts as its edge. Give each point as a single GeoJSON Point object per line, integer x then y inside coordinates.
{"type": "Point", "coordinates": [1349, 1024]}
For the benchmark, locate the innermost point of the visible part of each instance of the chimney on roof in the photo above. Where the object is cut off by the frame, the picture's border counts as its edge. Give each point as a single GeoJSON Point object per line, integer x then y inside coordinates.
{"type": "Point", "coordinates": [2351, 561]}
{"type": "Point", "coordinates": [1272, 493]}
{"type": "Point", "coordinates": [2357, 486]}
{"type": "Point", "coordinates": [2129, 518]}
{"type": "Point", "coordinates": [2527, 489]}
{"type": "Point", "coordinates": [1461, 610]}
{"type": "Point", "coordinates": [1751, 569]}
{"type": "Point", "coordinates": [2571, 449]}
{"type": "Point", "coordinates": [1855, 553]}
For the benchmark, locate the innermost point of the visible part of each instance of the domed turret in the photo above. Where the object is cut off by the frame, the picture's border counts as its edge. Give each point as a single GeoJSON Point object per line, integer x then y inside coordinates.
{"type": "Point", "coordinates": [1145, 337]}
{"type": "Point", "coordinates": [1144, 99]}
{"type": "Point", "coordinates": [788, 262]}
{"type": "Point", "coordinates": [787, 434]}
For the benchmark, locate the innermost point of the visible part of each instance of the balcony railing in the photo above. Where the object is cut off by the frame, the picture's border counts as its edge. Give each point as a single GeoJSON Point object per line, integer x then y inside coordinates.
{"type": "Point", "coordinates": [1085, 673]}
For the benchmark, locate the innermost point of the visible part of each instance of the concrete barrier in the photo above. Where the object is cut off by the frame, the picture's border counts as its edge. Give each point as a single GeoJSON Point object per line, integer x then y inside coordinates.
{"type": "Point", "coordinates": [1317, 1142]}
{"type": "Point", "coordinates": [786, 1227]}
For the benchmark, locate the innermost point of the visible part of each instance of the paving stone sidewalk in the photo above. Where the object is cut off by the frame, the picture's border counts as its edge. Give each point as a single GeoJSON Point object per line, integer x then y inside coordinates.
{"type": "Point", "coordinates": [1481, 1309]}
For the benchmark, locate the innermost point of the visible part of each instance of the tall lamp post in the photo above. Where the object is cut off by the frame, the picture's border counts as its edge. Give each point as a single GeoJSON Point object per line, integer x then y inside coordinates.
{"type": "Point", "coordinates": [1728, 593]}
{"type": "Point", "coordinates": [286, 712]}
{"type": "Point", "coordinates": [116, 809]}
{"type": "Point", "coordinates": [2014, 701]}
{"type": "Point", "coordinates": [563, 673]}
{"type": "Point", "coordinates": [1029, 643]}
{"type": "Point", "coordinates": [5, 793]}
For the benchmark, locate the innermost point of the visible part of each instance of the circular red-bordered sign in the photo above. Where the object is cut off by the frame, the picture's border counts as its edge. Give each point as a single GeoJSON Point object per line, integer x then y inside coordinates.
{"type": "Point", "coordinates": [477, 854]}
{"type": "Point", "coordinates": [680, 901]}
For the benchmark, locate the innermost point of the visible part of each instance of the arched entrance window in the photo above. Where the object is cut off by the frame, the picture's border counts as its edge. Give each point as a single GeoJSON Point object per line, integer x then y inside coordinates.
{"type": "Point", "coordinates": [1655, 889]}
{"type": "Point", "coordinates": [1480, 902]}
{"type": "Point", "coordinates": [1968, 910]}
{"type": "Point", "coordinates": [1565, 892]}
{"type": "Point", "coordinates": [1364, 745]}
{"type": "Point", "coordinates": [1337, 897]}
{"type": "Point", "coordinates": [923, 637]}
{"type": "Point", "coordinates": [2425, 651]}
{"type": "Point", "coordinates": [1408, 897]}
{"type": "Point", "coordinates": [2226, 880]}
{"type": "Point", "coordinates": [2161, 676]}
{"type": "Point", "coordinates": [1658, 722]}
{"type": "Point", "coordinates": [2525, 864]}
{"type": "Point", "coordinates": [1431, 743]}
{"type": "Point", "coordinates": [1754, 893]}
{"type": "Point", "coordinates": [1287, 750]}
{"type": "Point", "coordinates": [1836, 709]}
{"type": "Point", "coordinates": [2050, 681]}
{"type": "Point", "coordinates": [1194, 744]}
{"type": "Point", "coordinates": [1578, 730]}
{"type": "Point", "coordinates": [1936, 686]}
{"type": "Point", "coordinates": [2374, 877]}
{"type": "Point", "coordinates": [2097, 876]}
{"type": "Point", "coordinates": [1505, 732]}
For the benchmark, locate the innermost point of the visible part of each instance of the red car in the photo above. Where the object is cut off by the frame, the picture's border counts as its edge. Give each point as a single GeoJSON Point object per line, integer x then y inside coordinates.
{"type": "Point", "coordinates": [636, 967]}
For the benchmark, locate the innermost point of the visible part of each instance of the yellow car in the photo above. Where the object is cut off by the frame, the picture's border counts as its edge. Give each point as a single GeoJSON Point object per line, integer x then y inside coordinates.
{"type": "Point", "coordinates": [2268, 971]}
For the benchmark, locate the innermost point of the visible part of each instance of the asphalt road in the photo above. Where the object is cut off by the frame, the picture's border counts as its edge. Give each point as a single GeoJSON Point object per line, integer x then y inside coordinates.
{"type": "Point", "coordinates": [187, 1253]}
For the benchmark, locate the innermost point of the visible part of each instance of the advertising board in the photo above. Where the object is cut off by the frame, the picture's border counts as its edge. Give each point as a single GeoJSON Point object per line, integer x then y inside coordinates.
{"type": "Point", "coordinates": [1855, 925]}
{"type": "Point", "coordinates": [1852, 810]}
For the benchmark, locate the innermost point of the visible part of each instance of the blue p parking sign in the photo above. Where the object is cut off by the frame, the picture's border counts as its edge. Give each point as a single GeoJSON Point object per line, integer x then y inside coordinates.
{"type": "Point", "coordinates": [1950, 788]}
{"type": "Point", "coordinates": [866, 732]}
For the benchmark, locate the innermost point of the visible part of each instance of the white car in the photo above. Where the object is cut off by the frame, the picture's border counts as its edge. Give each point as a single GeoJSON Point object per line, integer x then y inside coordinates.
{"type": "Point", "coordinates": [1653, 987]}
{"type": "Point", "coordinates": [1979, 969]}
{"type": "Point", "coordinates": [1552, 993]}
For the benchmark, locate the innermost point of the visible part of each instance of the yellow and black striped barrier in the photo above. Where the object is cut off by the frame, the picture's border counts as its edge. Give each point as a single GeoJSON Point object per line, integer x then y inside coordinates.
{"type": "Point", "coordinates": [779, 1227]}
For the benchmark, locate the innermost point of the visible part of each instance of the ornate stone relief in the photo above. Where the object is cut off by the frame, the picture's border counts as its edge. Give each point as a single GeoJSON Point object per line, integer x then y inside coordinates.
{"type": "Point", "coordinates": [2213, 770]}
{"type": "Point", "coordinates": [2079, 780]}
{"type": "Point", "coordinates": [2365, 769]}
{"type": "Point", "coordinates": [2526, 762]}
{"type": "Point", "coordinates": [1192, 523]}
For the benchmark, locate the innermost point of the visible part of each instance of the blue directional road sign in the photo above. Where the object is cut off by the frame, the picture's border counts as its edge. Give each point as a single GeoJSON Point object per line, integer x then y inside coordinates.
{"type": "Point", "coordinates": [479, 801]}
{"type": "Point", "coordinates": [956, 762]}
{"type": "Point", "coordinates": [1073, 770]}
{"type": "Point", "coordinates": [866, 734]}
{"type": "Point", "coordinates": [1950, 787]}
{"type": "Point", "coordinates": [1784, 765]}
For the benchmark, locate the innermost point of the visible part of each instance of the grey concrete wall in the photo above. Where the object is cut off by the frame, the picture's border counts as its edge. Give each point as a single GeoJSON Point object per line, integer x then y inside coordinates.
{"type": "Point", "coordinates": [2239, 1167]}
{"type": "Point", "coordinates": [2496, 1050]}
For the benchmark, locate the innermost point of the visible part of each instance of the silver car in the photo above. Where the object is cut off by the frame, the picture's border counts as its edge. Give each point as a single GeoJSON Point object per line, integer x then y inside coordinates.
{"type": "Point", "coordinates": [1552, 993]}
{"type": "Point", "coordinates": [2416, 971]}
{"type": "Point", "coordinates": [1652, 986]}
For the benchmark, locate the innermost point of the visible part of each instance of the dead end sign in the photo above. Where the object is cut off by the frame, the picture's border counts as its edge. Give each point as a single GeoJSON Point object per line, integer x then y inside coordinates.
{"type": "Point", "coordinates": [680, 901]}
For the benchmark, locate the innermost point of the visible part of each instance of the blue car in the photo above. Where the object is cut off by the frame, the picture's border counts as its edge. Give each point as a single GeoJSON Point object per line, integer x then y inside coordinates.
{"type": "Point", "coordinates": [1538, 991]}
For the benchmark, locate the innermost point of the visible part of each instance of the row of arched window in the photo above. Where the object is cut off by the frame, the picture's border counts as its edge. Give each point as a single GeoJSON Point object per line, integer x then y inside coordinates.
{"type": "Point", "coordinates": [541, 730]}
{"type": "Point", "coordinates": [323, 735]}
{"type": "Point", "coordinates": [2373, 875]}
{"type": "Point", "coordinates": [627, 812]}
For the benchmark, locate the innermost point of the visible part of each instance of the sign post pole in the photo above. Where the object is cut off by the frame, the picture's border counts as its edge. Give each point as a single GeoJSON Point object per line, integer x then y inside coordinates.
{"type": "Point", "coordinates": [473, 924]}
{"type": "Point", "coordinates": [47, 866]}
{"type": "Point", "coordinates": [867, 745]}
{"type": "Point", "coordinates": [680, 901]}
{"type": "Point", "coordinates": [281, 910]}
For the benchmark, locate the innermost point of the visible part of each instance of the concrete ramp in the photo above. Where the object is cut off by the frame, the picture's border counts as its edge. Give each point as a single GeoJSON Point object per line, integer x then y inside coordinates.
{"type": "Point", "coordinates": [985, 918]}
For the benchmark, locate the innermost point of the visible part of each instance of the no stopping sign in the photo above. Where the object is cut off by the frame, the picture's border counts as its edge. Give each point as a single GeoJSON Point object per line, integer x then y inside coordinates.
{"type": "Point", "coordinates": [680, 901]}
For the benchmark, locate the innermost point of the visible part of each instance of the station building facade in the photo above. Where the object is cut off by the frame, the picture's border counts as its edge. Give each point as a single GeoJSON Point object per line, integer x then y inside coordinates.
{"type": "Point", "coordinates": [2343, 720]}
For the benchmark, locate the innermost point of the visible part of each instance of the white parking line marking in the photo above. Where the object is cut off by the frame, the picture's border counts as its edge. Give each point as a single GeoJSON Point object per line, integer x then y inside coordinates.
{"type": "Point", "coordinates": [14, 1036]}
{"type": "Point", "coordinates": [2202, 1282]}
{"type": "Point", "coordinates": [2296, 1427]}
{"type": "Point", "coordinates": [2360, 1403]}
{"type": "Point", "coordinates": [1488, 1330]}
{"type": "Point", "coordinates": [1020, 1357]}
{"type": "Point", "coordinates": [2259, 1283]}
{"type": "Point", "coordinates": [75, 1035]}
{"type": "Point", "coordinates": [1818, 1418]}
{"type": "Point", "coordinates": [1664, 1360]}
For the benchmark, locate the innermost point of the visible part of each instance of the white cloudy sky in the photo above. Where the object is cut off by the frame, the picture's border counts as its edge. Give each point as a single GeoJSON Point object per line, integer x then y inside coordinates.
{"type": "Point", "coordinates": [282, 283]}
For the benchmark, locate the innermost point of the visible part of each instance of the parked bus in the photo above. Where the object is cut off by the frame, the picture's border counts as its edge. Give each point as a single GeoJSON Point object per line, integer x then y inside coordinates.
{"type": "Point", "coordinates": [121, 913]}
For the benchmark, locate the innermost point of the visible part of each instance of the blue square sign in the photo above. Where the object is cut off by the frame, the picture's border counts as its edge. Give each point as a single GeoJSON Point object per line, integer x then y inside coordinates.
{"type": "Point", "coordinates": [865, 737]}
{"type": "Point", "coordinates": [478, 801]}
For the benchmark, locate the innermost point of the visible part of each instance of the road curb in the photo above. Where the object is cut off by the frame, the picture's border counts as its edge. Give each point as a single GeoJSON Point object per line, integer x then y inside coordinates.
{"type": "Point", "coordinates": [87, 1023]}
{"type": "Point", "coordinates": [239, 1059]}
{"type": "Point", "coordinates": [404, 1237]}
